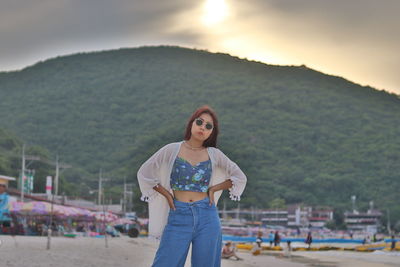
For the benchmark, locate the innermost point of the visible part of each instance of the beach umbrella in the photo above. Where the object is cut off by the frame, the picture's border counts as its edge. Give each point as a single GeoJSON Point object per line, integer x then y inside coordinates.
{"type": "Point", "coordinates": [44, 208]}
{"type": "Point", "coordinates": [121, 221]}
{"type": "Point", "coordinates": [15, 206]}
{"type": "Point", "coordinates": [33, 207]}
{"type": "Point", "coordinates": [105, 216]}
{"type": "Point", "coordinates": [65, 211]}
{"type": "Point", "coordinates": [37, 207]}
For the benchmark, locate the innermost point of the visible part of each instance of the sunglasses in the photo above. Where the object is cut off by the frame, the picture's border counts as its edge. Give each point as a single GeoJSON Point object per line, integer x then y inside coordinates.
{"type": "Point", "coordinates": [2, 185]}
{"type": "Point", "coordinates": [200, 122]}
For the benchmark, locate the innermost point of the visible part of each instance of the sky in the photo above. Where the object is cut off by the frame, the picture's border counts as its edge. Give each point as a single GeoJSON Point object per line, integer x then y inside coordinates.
{"type": "Point", "coordinates": [355, 39]}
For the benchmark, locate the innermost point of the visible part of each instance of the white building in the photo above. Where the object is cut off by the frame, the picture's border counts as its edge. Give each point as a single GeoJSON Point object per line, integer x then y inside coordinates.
{"type": "Point", "coordinates": [275, 217]}
{"type": "Point", "coordinates": [363, 221]}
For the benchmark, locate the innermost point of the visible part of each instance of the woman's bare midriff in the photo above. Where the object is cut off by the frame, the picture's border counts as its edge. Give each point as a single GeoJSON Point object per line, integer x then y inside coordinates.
{"type": "Point", "coordinates": [189, 196]}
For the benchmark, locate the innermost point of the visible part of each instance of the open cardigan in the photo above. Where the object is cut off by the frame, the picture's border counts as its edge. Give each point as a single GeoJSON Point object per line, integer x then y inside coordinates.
{"type": "Point", "coordinates": [157, 170]}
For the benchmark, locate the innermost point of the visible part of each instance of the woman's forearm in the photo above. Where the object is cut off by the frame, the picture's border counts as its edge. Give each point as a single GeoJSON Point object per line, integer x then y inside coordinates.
{"type": "Point", "coordinates": [221, 186]}
{"type": "Point", "coordinates": [170, 198]}
{"type": "Point", "coordinates": [160, 189]}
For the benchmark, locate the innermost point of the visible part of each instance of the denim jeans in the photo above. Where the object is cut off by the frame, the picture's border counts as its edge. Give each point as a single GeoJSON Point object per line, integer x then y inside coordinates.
{"type": "Point", "coordinates": [196, 223]}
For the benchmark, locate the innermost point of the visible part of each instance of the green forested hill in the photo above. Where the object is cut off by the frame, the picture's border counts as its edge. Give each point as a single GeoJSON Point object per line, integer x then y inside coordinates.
{"type": "Point", "coordinates": [9, 145]}
{"type": "Point", "coordinates": [298, 134]}
{"type": "Point", "coordinates": [10, 161]}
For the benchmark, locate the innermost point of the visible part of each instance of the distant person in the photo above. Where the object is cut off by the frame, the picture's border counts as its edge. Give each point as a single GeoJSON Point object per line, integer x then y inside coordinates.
{"type": "Point", "coordinates": [256, 250]}
{"type": "Point", "coordinates": [393, 247]}
{"type": "Point", "coordinates": [277, 239]}
{"type": "Point", "coordinates": [182, 183]}
{"type": "Point", "coordinates": [374, 239]}
{"type": "Point", "coordinates": [111, 230]}
{"type": "Point", "coordinates": [271, 238]}
{"type": "Point", "coordinates": [259, 239]}
{"type": "Point", "coordinates": [5, 218]}
{"type": "Point", "coordinates": [366, 240]}
{"type": "Point", "coordinates": [309, 239]}
{"type": "Point", "coordinates": [289, 245]}
{"type": "Point", "coordinates": [229, 251]}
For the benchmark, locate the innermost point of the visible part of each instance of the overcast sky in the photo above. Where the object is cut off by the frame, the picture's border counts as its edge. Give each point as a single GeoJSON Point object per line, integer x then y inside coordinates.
{"type": "Point", "coordinates": [356, 39]}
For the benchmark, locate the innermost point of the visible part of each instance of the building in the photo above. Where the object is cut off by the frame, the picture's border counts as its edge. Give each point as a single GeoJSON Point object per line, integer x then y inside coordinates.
{"type": "Point", "coordinates": [363, 221]}
{"type": "Point", "coordinates": [275, 217]}
{"type": "Point", "coordinates": [298, 216]}
{"type": "Point", "coordinates": [320, 216]}
{"type": "Point", "coordinates": [6, 179]}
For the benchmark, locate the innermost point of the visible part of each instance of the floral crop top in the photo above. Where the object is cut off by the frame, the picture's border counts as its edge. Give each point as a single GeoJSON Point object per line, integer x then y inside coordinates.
{"type": "Point", "coordinates": [185, 177]}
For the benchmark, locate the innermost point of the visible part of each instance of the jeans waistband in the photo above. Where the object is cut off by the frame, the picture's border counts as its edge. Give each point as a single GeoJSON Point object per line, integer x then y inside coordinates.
{"type": "Point", "coordinates": [204, 201]}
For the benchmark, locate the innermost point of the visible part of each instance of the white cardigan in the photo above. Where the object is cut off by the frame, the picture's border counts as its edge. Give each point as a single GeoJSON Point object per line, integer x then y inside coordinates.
{"type": "Point", "coordinates": [157, 170]}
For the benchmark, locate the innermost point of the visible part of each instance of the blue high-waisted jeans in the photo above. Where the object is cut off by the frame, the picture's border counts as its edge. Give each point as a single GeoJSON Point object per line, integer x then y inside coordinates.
{"type": "Point", "coordinates": [194, 222]}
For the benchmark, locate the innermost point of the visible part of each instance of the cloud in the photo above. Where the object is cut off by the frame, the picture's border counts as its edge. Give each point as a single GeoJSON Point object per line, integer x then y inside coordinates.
{"type": "Point", "coordinates": [356, 39]}
{"type": "Point", "coordinates": [34, 27]}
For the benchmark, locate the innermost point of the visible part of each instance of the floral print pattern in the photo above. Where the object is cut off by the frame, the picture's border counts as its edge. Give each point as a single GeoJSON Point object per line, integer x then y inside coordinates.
{"type": "Point", "coordinates": [185, 177]}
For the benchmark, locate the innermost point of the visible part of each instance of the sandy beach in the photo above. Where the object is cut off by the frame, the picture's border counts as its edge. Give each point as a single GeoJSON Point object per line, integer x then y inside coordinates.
{"type": "Point", "coordinates": [24, 251]}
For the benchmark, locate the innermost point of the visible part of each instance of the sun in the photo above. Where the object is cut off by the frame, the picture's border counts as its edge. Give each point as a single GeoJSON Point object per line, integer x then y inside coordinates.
{"type": "Point", "coordinates": [214, 12]}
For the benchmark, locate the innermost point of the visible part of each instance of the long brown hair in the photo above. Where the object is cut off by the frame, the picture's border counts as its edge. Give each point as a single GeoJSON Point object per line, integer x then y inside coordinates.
{"type": "Point", "coordinates": [212, 139]}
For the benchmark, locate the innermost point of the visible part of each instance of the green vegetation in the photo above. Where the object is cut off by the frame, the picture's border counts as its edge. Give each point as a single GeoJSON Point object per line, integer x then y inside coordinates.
{"type": "Point", "coordinates": [299, 135]}
{"type": "Point", "coordinates": [10, 160]}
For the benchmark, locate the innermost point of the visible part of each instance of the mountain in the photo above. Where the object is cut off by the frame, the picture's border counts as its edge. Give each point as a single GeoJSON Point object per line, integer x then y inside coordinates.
{"type": "Point", "coordinates": [9, 145]}
{"type": "Point", "coordinates": [10, 160]}
{"type": "Point", "coordinates": [298, 134]}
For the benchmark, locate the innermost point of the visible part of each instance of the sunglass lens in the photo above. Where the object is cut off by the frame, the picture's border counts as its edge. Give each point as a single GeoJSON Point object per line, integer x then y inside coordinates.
{"type": "Point", "coordinates": [209, 126]}
{"type": "Point", "coordinates": [199, 122]}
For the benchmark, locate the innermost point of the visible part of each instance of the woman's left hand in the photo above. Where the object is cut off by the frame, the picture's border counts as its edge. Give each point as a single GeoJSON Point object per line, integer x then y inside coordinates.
{"type": "Point", "coordinates": [211, 195]}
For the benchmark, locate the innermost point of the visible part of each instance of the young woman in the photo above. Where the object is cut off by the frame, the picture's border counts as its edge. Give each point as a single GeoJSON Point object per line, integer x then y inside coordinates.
{"type": "Point", "coordinates": [182, 183]}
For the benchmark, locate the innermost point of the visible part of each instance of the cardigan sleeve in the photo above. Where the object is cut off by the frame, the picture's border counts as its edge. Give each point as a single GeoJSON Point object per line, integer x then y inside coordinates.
{"type": "Point", "coordinates": [148, 174]}
{"type": "Point", "coordinates": [236, 175]}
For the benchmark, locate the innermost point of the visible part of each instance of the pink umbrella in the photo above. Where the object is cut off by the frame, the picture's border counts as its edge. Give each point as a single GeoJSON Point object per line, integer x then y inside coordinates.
{"type": "Point", "coordinates": [106, 216]}
{"type": "Point", "coordinates": [33, 207]}
{"type": "Point", "coordinates": [122, 221]}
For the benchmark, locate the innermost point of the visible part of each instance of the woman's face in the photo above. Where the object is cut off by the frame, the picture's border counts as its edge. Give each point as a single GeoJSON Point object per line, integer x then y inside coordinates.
{"type": "Point", "coordinates": [201, 132]}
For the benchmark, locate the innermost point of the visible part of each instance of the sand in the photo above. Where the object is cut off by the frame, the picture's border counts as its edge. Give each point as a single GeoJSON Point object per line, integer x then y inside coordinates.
{"type": "Point", "coordinates": [30, 251]}
{"type": "Point", "coordinates": [350, 259]}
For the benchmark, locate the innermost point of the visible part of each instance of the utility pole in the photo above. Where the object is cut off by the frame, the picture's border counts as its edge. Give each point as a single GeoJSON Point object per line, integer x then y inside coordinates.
{"type": "Point", "coordinates": [23, 170]}
{"type": "Point", "coordinates": [36, 158]}
{"type": "Point", "coordinates": [124, 197]}
{"type": "Point", "coordinates": [56, 178]}
{"type": "Point", "coordinates": [388, 222]}
{"type": "Point", "coordinates": [21, 184]}
{"type": "Point", "coordinates": [104, 222]}
{"type": "Point", "coordinates": [49, 230]}
{"type": "Point", "coordinates": [99, 192]}
{"type": "Point", "coordinates": [129, 193]}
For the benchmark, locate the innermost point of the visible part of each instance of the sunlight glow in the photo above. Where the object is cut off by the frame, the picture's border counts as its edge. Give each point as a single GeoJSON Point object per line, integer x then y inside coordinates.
{"type": "Point", "coordinates": [258, 50]}
{"type": "Point", "coordinates": [214, 12]}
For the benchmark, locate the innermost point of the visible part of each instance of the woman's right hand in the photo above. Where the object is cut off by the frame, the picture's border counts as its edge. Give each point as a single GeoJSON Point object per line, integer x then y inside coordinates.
{"type": "Point", "coordinates": [170, 200]}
